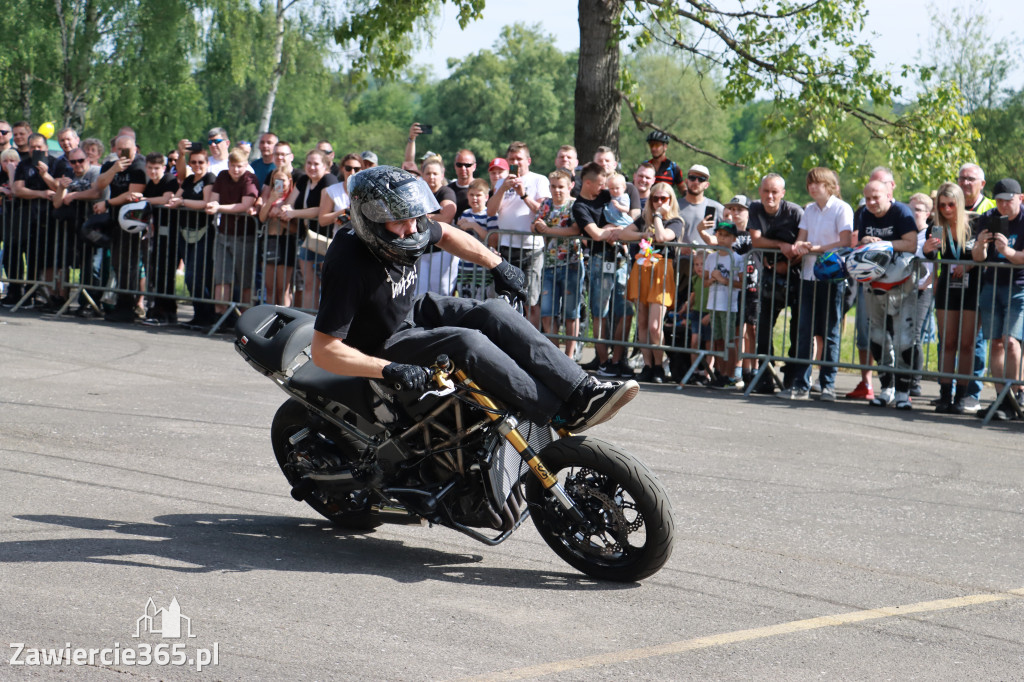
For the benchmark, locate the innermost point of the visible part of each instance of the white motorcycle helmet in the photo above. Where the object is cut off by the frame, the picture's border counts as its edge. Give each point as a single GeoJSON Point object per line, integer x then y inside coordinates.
{"type": "Point", "coordinates": [135, 217]}
{"type": "Point", "coordinates": [868, 262]}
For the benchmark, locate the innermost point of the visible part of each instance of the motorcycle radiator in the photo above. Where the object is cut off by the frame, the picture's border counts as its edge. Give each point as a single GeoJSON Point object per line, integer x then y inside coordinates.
{"type": "Point", "coordinates": [509, 466]}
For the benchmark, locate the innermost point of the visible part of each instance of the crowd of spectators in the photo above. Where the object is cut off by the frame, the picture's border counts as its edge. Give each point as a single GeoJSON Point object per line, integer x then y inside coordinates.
{"type": "Point", "coordinates": [647, 250]}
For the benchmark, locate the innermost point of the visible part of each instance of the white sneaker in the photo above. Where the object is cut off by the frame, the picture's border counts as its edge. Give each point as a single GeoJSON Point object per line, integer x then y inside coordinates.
{"type": "Point", "coordinates": [885, 397]}
{"type": "Point", "coordinates": [971, 405]}
{"type": "Point", "coordinates": [828, 395]}
{"type": "Point", "coordinates": [902, 400]}
{"type": "Point", "coordinates": [794, 394]}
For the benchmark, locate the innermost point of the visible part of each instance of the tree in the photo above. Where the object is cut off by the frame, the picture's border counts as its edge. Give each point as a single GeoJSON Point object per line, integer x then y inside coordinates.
{"type": "Point", "coordinates": [809, 59]}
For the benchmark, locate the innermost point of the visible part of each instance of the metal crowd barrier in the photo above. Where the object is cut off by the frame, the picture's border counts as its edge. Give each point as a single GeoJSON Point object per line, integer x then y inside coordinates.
{"type": "Point", "coordinates": [219, 263]}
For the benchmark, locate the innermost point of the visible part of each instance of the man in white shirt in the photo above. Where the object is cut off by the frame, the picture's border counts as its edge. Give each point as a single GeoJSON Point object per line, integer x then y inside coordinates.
{"type": "Point", "coordinates": [515, 201]}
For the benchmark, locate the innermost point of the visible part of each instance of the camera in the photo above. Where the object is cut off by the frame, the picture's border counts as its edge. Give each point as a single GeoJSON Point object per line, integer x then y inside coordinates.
{"type": "Point", "coordinates": [426, 129]}
{"type": "Point", "coordinates": [195, 147]}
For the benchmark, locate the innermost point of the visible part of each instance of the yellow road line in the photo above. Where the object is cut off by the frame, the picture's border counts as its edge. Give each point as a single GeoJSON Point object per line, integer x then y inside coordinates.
{"type": "Point", "coordinates": [668, 649]}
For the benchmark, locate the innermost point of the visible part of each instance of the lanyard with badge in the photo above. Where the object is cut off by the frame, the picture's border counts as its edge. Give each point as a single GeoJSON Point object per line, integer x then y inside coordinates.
{"type": "Point", "coordinates": [955, 282]}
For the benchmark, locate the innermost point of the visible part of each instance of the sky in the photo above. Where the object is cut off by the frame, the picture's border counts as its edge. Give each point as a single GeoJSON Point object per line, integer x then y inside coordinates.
{"type": "Point", "coordinates": [903, 27]}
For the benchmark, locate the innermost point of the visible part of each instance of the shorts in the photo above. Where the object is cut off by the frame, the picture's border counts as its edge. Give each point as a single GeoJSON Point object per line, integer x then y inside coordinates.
{"type": "Point", "coordinates": [703, 331]}
{"type": "Point", "coordinates": [562, 291]}
{"type": "Point", "coordinates": [608, 290]}
{"type": "Point", "coordinates": [531, 262]}
{"type": "Point", "coordinates": [234, 259]}
{"type": "Point", "coordinates": [1002, 311]}
{"type": "Point", "coordinates": [723, 326]}
{"type": "Point", "coordinates": [281, 249]}
{"type": "Point", "coordinates": [652, 282]}
{"type": "Point", "coordinates": [311, 256]}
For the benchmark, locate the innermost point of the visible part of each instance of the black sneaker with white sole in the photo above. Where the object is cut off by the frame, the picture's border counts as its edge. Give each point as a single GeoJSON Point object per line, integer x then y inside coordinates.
{"type": "Point", "coordinates": [593, 403]}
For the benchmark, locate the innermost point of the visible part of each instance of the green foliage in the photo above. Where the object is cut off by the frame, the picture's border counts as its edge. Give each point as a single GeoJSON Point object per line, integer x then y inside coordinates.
{"type": "Point", "coordinates": [811, 61]}
{"type": "Point", "coordinates": [522, 90]}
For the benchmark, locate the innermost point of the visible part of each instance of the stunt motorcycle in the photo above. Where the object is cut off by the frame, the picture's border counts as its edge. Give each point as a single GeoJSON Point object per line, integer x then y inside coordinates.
{"type": "Point", "coordinates": [363, 453]}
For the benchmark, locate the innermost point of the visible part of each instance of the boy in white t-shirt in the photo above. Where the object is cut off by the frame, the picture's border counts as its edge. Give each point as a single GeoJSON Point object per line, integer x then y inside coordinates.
{"type": "Point", "coordinates": [723, 275]}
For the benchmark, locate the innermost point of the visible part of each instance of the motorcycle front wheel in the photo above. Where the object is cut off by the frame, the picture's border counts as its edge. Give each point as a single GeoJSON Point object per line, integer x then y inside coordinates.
{"type": "Point", "coordinates": [628, 531]}
{"type": "Point", "coordinates": [291, 418]}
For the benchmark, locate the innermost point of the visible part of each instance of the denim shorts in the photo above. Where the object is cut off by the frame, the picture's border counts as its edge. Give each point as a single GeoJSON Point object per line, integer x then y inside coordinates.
{"type": "Point", "coordinates": [562, 291]}
{"type": "Point", "coordinates": [1002, 311]}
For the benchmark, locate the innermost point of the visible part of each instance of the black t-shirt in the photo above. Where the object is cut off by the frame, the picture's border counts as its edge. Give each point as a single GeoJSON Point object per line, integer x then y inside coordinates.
{"type": "Point", "coordinates": [362, 300]}
{"type": "Point", "coordinates": [312, 198]}
{"type": "Point", "coordinates": [461, 197]}
{"type": "Point", "coordinates": [135, 174]}
{"type": "Point", "coordinates": [446, 193]}
{"type": "Point", "coordinates": [28, 173]}
{"type": "Point", "coordinates": [587, 211]}
{"type": "Point", "coordinates": [897, 221]}
{"type": "Point", "coordinates": [784, 226]}
{"type": "Point", "coordinates": [168, 183]}
{"type": "Point", "coordinates": [675, 225]}
{"type": "Point", "coordinates": [192, 190]}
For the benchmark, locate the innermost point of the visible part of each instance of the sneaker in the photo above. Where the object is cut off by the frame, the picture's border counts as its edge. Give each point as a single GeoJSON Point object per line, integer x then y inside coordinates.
{"type": "Point", "coordinates": [886, 397]}
{"type": "Point", "coordinates": [915, 390]}
{"type": "Point", "coordinates": [944, 406]}
{"type": "Point", "coordinates": [828, 394]}
{"type": "Point", "coordinates": [590, 366]}
{"type": "Point", "coordinates": [1000, 414]}
{"type": "Point", "coordinates": [747, 378]}
{"type": "Point", "coordinates": [120, 315]}
{"type": "Point", "coordinates": [971, 405]}
{"type": "Point", "coordinates": [794, 393]}
{"type": "Point", "coordinates": [658, 375]}
{"type": "Point", "coordinates": [724, 383]}
{"type": "Point", "coordinates": [738, 382]}
{"type": "Point", "coordinates": [155, 321]}
{"type": "Point", "coordinates": [646, 374]}
{"type": "Point", "coordinates": [863, 391]}
{"type": "Point", "coordinates": [625, 371]}
{"type": "Point", "coordinates": [595, 402]}
{"type": "Point", "coordinates": [765, 386]}
{"type": "Point", "coordinates": [698, 379]}
{"type": "Point", "coordinates": [608, 369]}
{"type": "Point", "coordinates": [902, 400]}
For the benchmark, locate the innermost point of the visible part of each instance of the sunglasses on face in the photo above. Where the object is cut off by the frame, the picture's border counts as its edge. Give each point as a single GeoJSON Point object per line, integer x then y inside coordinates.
{"type": "Point", "coordinates": [464, 165]}
{"type": "Point", "coordinates": [329, 152]}
{"type": "Point", "coordinates": [216, 140]}
{"type": "Point", "coordinates": [76, 161]}
{"type": "Point", "coordinates": [696, 178]}
{"type": "Point", "coordinates": [5, 132]}
{"type": "Point", "coordinates": [659, 199]}
{"type": "Point", "coordinates": [353, 169]}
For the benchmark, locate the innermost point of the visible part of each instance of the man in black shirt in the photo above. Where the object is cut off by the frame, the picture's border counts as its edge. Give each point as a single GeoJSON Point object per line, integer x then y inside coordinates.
{"type": "Point", "coordinates": [465, 166]}
{"type": "Point", "coordinates": [126, 177]}
{"type": "Point", "coordinates": [774, 224]}
{"type": "Point", "coordinates": [371, 325]}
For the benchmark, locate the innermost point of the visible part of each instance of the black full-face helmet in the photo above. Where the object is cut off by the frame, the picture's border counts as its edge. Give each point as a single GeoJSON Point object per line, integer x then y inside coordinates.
{"type": "Point", "coordinates": [657, 136]}
{"type": "Point", "coordinates": [385, 193]}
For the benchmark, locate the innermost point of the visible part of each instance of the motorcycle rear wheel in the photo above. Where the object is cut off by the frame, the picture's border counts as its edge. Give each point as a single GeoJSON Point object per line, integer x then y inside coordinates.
{"type": "Point", "coordinates": [291, 418]}
{"type": "Point", "coordinates": [631, 529]}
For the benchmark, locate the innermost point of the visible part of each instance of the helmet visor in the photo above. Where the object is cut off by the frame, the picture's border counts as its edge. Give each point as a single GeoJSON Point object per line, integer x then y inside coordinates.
{"type": "Point", "coordinates": [408, 198]}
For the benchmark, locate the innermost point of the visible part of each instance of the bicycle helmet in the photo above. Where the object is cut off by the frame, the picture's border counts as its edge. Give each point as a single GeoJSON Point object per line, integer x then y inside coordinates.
{"type": "Point", "coordinates": [657, 136]}
{"type": "Point", "coordinates": [868, 262]}
{"type": "Point", "coordinates": [135, 217]}
{"type": "Point", "coordinates": [831, 265]}
{"type": "Point", "coordinates": [385, 193]}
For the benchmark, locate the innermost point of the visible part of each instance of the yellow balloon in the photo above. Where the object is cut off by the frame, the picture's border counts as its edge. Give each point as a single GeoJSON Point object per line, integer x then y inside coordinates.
{"type": "Point", "coordinates": [46, 129]}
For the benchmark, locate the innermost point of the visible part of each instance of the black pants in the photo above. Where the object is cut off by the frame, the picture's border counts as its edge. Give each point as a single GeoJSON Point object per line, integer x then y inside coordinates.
{"type": "Point", "coordinates": [778, 292]}
{"type": "Point", "coordinates": [496, 346]}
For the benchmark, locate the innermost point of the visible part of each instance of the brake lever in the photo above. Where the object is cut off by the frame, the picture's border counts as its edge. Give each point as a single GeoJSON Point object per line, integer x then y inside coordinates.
{"type": "Point", "coordinates": [448, 390]}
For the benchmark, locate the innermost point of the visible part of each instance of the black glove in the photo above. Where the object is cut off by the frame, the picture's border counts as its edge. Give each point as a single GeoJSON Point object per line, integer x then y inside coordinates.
{"type": "Point", "coordinates": [509, 281]}
{"type": "Point", "coordinates": [407, 377]}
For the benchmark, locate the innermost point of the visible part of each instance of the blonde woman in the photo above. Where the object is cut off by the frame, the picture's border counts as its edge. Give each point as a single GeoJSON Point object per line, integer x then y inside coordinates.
{"type": "Point", "coordinates": [281, 249]}
{"type": "Point", "coordinates": [956, 293]}
{"type": "Point", "coordinates": [652, 281]}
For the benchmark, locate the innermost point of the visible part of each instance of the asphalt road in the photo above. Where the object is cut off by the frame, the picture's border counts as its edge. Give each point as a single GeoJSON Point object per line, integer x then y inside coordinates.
{"type": "Point", "coordinates": [814, 541]}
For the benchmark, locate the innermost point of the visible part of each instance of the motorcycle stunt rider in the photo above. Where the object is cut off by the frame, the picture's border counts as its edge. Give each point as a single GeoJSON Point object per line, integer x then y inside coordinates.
{"type": "Point", "coordinates": [370, 324]}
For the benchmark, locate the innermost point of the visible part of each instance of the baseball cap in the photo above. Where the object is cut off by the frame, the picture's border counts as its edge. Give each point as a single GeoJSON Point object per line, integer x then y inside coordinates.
{"type": "Point", "coordinates": [498, 163]}
{"type": "Point", "coordinates": [739, 200]}
{"type": "Point", "coordinates": [369, 156]}
{"type": "Point", "coordinates": [726, 226]}
{"type": "Point", "coordinates": [1006, 189]}
{"type": "Point", "coordinates": [703, 170]}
